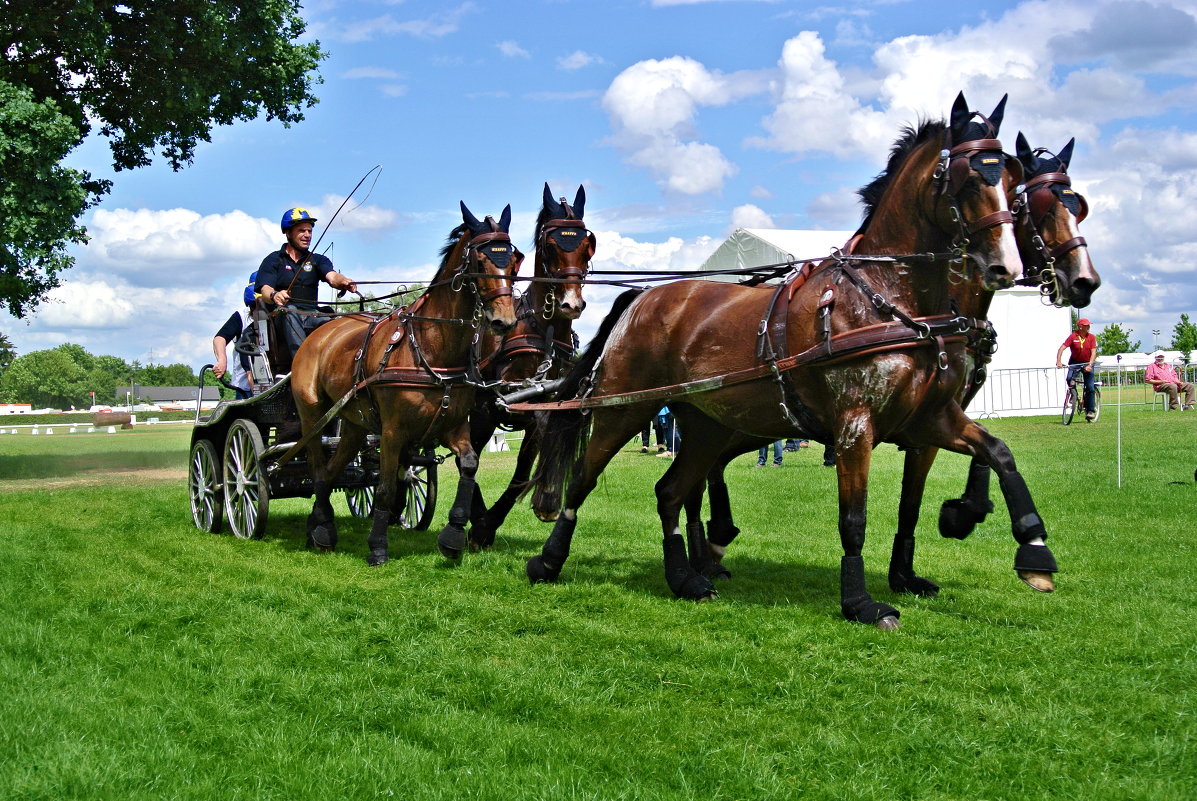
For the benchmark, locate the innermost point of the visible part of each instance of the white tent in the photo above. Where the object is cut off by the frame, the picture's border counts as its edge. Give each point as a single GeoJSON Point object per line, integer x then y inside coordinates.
{"type": "Point", "coordinates": [1022, 374]}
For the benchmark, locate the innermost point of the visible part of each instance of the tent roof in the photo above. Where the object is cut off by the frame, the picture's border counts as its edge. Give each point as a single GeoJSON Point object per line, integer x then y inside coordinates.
{"type": "Point", "coordinates": [757, 247]}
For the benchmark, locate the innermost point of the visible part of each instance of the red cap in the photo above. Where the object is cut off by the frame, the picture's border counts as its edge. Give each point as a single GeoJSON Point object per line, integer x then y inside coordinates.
{"type": "Point", "coordinates": [1082, 321]}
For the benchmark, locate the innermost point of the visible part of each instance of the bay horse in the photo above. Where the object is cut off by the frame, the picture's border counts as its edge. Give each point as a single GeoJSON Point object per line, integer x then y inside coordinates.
{"type": "Point", "coordinates": [858, 350]}
{"type": "Point", "coordinates": [407, 377]}
{"type": "Point", "coordinates": [1047, 214]}
{"type": "Point", "coordinates": [540, 348]}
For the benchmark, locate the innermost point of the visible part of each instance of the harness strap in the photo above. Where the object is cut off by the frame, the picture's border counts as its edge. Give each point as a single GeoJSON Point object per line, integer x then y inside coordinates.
{"type": "Point", "coordinates": [878, 338]}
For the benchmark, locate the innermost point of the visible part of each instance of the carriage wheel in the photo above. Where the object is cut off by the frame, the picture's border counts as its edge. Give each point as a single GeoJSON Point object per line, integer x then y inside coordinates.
{"type": "Point", "coordinates": [203, 483]}
{"type": "Point", "coordinates": [1069, 406]}
{"type": "Point", "coordinates": [361, 501]}
{"type": "Point", "coordinates": [246, 490]}
{"type": "Point", "coordinates": [421, 497]}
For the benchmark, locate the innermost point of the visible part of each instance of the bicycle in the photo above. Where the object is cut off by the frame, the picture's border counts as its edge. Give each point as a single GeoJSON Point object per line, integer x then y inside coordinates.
{"type": "Point", "coordinates": [1073, 397]}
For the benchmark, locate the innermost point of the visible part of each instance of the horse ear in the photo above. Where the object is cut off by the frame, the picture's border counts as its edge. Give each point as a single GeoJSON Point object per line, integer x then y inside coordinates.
{"type": "Point", "coordinates": [995, 119]}
{"type": "Point", "coordinates": [1022, 149]}
{"type": "Point", "coordinates": [505, 219]}
{"type": "Point", "coordinates": [960, 117]}
{"type": "Point", "coordinates": [469, 219]}
{"type": "Point", "coordinates": [580, 202]}
{"type": "Point", "coordinates": [550, 203]}
{"type": "Point", "coordinates": [1065, 154]}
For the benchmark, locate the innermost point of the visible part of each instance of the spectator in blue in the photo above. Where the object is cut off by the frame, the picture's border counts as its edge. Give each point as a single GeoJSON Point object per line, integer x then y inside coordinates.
{"type": "Point", "coordinates": [290, 278]}
{"type": "Point", "coordinates": [763, 454]}
{"type": "Point", "coordinates": [228, 334]}
{"type": "Point", "coordinates": [669, 430]}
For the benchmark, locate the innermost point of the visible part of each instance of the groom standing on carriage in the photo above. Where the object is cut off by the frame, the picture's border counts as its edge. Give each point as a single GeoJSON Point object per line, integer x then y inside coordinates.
{"type": "Point", "coordinates": [289, 278]}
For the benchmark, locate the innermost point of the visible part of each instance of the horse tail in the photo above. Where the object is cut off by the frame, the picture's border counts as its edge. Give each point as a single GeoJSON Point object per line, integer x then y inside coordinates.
{"type": "Point", "coordinates": [565, 433]}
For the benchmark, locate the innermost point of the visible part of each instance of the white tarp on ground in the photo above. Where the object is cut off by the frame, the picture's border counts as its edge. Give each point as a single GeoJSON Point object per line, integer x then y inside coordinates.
{"type": "Point", "coordinates": [1029, 332]}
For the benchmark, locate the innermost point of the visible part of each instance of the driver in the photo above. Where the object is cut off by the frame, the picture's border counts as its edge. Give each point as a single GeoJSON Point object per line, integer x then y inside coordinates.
{"type": "Point", "coordinates": [289, 278]}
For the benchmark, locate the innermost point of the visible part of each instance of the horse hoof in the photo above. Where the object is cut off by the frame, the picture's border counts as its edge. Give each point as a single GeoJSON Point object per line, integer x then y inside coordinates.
{"type": "Point", "coordinates": [888, 623]}
{"type": "Point", "coordinates": [956, 519]}
{"type": "Point", "coordinates": [1040, 582]}
{"type": "Point", "coordinates": [914, 585]}
{"type": "Point", "coordinates": [540, 573]}
{"type": "Point", "coordinates": [377, 558]}
{"type": "Point", "coordinates": [451, 542]}
{"type": "Point", "coordinates": [481, 539]}
{"type": "Point", "coordinates": [546, 517]}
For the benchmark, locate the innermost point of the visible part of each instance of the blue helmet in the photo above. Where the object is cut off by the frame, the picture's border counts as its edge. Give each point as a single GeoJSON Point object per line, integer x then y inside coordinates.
{"type": "Point", "coordinates": [249, 288]}
{"type": "Point", "coordinates": [298, 215]}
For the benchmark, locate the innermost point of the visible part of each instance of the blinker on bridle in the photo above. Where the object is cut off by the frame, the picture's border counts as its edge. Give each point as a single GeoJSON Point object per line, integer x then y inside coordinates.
{"type": "Point", "coordinates": [494, 245]}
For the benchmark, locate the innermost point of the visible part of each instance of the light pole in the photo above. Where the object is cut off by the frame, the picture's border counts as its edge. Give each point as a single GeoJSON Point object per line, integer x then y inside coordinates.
{"type": "Point", "coordinates": [1155, 332]}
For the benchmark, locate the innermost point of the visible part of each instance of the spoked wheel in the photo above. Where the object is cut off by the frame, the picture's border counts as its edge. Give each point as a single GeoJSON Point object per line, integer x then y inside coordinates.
{"type": "Point", "coordinates": [246, 490]}
{"type": "Point", "coordinates": [360, 499]}
{"type": "Point", "coordinates": [203, 484]}
{"type": "Point", "coordinates": [1069, 406]}
{"type": "Point", "coordinates": [421, 497]}
{"type": "Point", "coordinates": [1096, 404]}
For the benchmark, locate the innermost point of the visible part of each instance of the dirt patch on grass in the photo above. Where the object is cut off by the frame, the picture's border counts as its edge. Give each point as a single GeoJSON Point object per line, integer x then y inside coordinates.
{"type": "Point", "coordinates": [93, 478]}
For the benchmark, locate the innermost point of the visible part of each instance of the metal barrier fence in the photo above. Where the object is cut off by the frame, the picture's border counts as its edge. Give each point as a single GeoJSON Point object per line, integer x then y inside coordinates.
{"type": "Point", "coordinates": [1040, 390]}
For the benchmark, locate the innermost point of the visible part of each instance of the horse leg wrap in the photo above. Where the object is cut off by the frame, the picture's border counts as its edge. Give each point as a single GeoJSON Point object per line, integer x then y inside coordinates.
{"type": "Point", "coordinates": [959, 516]}
{"type": "Point", "coordinates": [721, 529]}
{"type": "Point", "coordinates": [377, 541]}
{"type": "Point", "coordinates": [1035, 558]}
{"type": "Point", "coordinates": [700, 554]}
{"type": "Point", "coordinates": [546, 566]}
{"type": "Point", "coordinates": [902, 577]}
{"type": "Point", "coordinates": [452, 539]}
{"type": "Point", "coordinates": [855, 602]}
{"type": "Point", "coordinates": [1027, 524]}
{"type": "Point", "coordinates": [683, 579]}
{"type": "Point", "coordinates": [322, 529]}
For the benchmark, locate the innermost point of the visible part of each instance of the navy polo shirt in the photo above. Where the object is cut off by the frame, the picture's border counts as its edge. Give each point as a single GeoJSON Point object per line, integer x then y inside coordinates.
{"type": "Point", "coordinates": [278, 270]}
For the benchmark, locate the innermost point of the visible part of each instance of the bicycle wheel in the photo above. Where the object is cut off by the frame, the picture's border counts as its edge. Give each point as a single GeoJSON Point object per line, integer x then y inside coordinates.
{"type": "Point", "coordinates": [1096, 403]}
{"type": "Point", "coordinates": [1070, 404]}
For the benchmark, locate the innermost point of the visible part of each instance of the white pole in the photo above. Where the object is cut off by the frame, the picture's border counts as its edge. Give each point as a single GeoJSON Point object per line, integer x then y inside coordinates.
{"type": "Point", "coordinates": [1119, 436]}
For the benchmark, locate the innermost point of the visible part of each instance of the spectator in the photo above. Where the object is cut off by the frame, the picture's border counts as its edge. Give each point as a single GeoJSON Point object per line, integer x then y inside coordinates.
{"type": "Point", "coordinates": [1082, 347]}
{"type": "Point", "coordinates": [655, 427]}
{"type": "Point", "coordinates": [763, 454]}
{"type": "Point", "coordinates": [1162, 376]}
{"type": "Point", "coordinates": [669, 431]}
{"type": "Point", "coordinates": [228, 334]}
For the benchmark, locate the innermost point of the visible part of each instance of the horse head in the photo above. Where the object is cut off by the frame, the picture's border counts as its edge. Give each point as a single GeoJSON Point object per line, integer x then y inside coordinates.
{"type": "Point", "coordinates": [1048, 214]}
{"type": "Point", "coordinates": [488, 265]}
{"type": "Point", "coordinates": [564, 248]}
{"type": "Point", "coordinates": [974, 178]}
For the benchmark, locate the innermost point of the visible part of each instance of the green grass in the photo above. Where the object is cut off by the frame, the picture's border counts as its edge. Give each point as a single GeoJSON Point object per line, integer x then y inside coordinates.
{"type": "Point", "coordinates": [146, 660]}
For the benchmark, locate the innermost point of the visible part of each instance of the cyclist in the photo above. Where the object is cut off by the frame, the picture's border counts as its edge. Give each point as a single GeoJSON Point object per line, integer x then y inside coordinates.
{"type": "Point", "coordinates": [1082, 347]}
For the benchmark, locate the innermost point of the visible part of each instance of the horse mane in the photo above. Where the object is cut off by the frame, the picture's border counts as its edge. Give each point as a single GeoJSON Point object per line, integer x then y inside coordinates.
{"type": "Point", "coordinates": [564, 433]}
{"type": "Point", "coordinates": [449, 247]}
{"type": "Point", "coordinates": [910, 139]}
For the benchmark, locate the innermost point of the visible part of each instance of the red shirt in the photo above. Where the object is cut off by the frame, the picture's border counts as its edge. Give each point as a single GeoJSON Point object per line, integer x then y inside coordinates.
{"type": "Point", "coordinates": [1081, 347]}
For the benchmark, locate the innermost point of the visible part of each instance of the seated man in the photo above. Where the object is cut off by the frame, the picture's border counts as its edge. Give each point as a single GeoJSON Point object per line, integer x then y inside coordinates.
{"type": "Point", "coordinates": [291, 278]}
{"type": "Point", "coordinates": [1163, 377]}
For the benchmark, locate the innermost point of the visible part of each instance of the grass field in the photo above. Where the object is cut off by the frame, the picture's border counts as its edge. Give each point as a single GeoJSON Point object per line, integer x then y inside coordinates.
{"type": "Point", "coordinates": [146, 660]}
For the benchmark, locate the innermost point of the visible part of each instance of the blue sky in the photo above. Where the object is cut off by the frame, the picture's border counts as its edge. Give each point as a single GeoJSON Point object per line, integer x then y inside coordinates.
{"type": "Point", "coordinates": [684, 120]}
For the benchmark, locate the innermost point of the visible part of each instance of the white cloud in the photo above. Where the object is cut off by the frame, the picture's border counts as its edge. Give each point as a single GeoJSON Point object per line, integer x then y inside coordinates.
{"type": "Point", "coordinates": [578, 59]}
{"type": "Point", "coordinates": [653, 105]}
{"type": "Point", "coordinates": [354, 217]}
{"type": "Point", "coordinates": [87, 304]}
{"type": "Point", "coordinates": [161, 248]}
{"type": "Point", "coordinates": [511, 49]}
{"type": "Point", "coordinates": [370, 72]}
{"type": "Point", "coordinates": [435, 26]}
{"type": "Point", "coordinates": [750, 216]}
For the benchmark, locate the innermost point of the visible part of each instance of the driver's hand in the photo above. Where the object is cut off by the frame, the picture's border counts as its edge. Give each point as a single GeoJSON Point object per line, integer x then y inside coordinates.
{"type": "Point", "coordinates": [218, 369]}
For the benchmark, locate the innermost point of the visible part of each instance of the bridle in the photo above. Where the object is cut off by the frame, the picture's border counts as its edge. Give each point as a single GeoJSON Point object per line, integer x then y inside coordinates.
{"type": "Point", "coordinates": [568, 234]}
{"type": "Point", "coordinates": [1033, 201]}
{"type": "Point", "coordinates": [496, 247]}
{"type": "Point", "coordinates": [956, 161]}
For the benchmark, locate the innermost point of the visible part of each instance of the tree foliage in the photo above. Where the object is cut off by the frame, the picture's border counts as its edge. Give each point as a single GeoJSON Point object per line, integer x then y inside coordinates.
{"type": "Point", "coordinates": [1184, 337]}
{"type": "Point", "coordinates": [1113, 339]}
{"type": "Point", "coordinates": [7, 353]}
{"type": "Point", "coordinates": [67, 375]}
{"type": "Point", "coordinates": [153, 77]}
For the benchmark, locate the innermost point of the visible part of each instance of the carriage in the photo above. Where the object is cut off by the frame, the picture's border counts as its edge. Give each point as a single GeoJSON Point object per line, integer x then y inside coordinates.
{"type": "Point", "coordinates": [241, 458]}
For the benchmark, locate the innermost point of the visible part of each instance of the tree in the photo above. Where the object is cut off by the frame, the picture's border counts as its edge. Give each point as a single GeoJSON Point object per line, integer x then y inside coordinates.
{"type": "Point", "coordinates": [7, 353]}
{"type": "Point", "coordinates": [170, 375]}
{"type": "Point", "coordinates": [154, 76]}
{"type": "Point", "coordinates": [1184, 337]}
{"type": "Point", "coordinates": [1113, 340]}
{"type": "Point", "coordinates": [45, 378]}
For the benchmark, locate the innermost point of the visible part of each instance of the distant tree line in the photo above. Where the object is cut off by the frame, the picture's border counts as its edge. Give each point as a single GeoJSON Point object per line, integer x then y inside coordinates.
{"type": "Point", "coordinates": [66, 376]}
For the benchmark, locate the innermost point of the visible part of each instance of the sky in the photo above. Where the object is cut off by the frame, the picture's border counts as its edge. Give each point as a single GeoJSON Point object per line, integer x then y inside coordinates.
{"type": "Point", "coordinates": [683, 119]}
